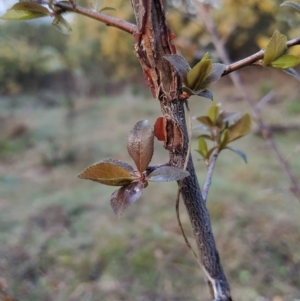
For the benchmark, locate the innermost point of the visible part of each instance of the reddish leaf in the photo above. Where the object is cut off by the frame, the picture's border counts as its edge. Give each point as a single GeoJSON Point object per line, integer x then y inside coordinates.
{"type": "Point", "coordinates": [140, 144]}
{"type": "Point", "coordinates": [167, 174]}
{"type": "Point", "coordinates": [111, 172]}
{"type": "Point", "coordinates": [160, 129]}
{"type": "Point", "coordinates": [122, 198]}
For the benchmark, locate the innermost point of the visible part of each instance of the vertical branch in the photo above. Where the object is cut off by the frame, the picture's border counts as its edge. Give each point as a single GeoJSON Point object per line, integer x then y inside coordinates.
{"type": "Point", "coordinates": [204, 13]}
{"type": "Point", "coordinates": [153, 41]}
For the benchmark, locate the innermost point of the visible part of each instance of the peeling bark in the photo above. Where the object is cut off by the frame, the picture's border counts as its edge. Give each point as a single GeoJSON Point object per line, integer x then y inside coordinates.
{"type": "Point", "coordinates": [153, 41]}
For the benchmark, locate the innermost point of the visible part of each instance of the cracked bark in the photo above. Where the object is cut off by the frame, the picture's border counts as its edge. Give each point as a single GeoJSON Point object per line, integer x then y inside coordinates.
{"type": "Point", "coordinates": [153, 41]}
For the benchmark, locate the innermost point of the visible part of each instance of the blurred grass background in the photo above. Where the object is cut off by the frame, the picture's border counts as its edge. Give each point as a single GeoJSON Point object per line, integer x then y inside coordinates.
{"type": "Point", "coordinates": [65, 104]}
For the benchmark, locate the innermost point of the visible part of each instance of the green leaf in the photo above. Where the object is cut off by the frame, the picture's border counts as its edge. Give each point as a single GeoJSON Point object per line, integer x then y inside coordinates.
{"type": "Point", "coordinates": [61, 25]}
{"type": "Point", "coordinates": [292, 72]}
{"type": "Point", "coordinates": [241, 128]}
{"type": "Point", "coordinates": [110, 172]}
{"type": "Point", "coordinates": [202, 147]}
{"type": "Point", "coordinates": [224, 139]}
{"type": "Point", "coordinates": [122, 198]}
{"type": "Point", "coordinates": [275, 48]}
{"type": "Point", "coordinates": [204, 136]}
{"type": "Point", "coordinates": [140, 144]}
{"type": "Point", "coordinates": [195, 79]}
{"type": "Point", "coordinates": [179, 63]}
{"type": "Point", "coordinates": [286, 61]}
{"type": "Point", "coordinates": [167, 174]}
{"type": "Point", "coordinates": [294, 5]}
{"type": "Point", "coordinates": [238, 152]}
{"type": "Point", "coordinates": [25, 11]}
{"type": "Point", "coordinates": [206, 121]}
{"type": "Point", "coordinates": [213, 113]}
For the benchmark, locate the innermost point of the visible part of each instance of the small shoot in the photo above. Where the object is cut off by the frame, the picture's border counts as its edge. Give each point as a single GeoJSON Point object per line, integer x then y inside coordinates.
{"type": "Point", "coordinates": [275, 55]}
{"type": "Point", "coordinates": [197, 79]}
{"type": "Point", "coordinates": [114, 172]}
{"type": "Point", "coordinates": [223, 128]}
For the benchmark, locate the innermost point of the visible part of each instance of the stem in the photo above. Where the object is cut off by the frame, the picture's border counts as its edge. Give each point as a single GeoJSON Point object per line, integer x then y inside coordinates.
{"type": "Point", "coordinates": [108, 20]}
{"type": "Point", "coordinates": [204, 13]}
{"type": "Point", "coordinates": [153, 42]}
{"type": "Point", "coordinates": [250, 60]}
{"type": "Point", "coordinates": [210, 171]}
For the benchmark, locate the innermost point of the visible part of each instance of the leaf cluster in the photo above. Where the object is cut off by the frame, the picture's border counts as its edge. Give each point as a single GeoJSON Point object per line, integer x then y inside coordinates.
{"type": "Point", "coordinates": [275, 53]}
{"type": "Point", "coordinates": [115, 172]}
{"type": "Point", "coordinates": [197, 79]}
{"type": "Point", "coordinates": [31, 9]}
{"type": "Point", "coordinates": [222, 128]}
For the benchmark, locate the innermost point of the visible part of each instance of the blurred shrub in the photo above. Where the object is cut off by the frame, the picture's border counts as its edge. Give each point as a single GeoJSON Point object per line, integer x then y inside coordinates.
{"type": "Point", "coordinates": [95, 58]}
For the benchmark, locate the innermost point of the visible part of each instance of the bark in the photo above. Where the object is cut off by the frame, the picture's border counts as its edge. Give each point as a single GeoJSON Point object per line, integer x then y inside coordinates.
{"type": "Point", "coordinates": [153, 41]}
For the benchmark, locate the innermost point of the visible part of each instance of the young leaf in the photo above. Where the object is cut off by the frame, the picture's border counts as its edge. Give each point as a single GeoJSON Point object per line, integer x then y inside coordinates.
{"type": "Point", "coordinates": [202, 147]}
{"type": "Point", "coordinates": [275, 48]}
{"type": "Point", "coordinates": [241, 128]}
{"type": "Point", "coordinates": [206, 121]}
{"type": "Point", "coordinates": [213, 113]}
{"type": "Point", "coordinates": [111, 172]}
{"type": "Point", "coordinates": [160, 129]}
{"type": "Point", "coordinates": [206, 94]}
{"type": "Point", "coordinates": [167, 174]}
{"type": "Point", "coordinates": [286, 61]}
{"type": "Point", "coordinates": [294, 5]}
{"type": "Point", "coordinates": [62, 25]}
{"type": "Point", "coordinates": [140, 144]}
{"type": "Point", "coordinates": [224, 139]}
{"type": "Point", "coordinates": [204, 136]}
{"type": "Point", "coordinates": [238, 152]}
{"type": "Point", "coordinates": [25, 11]}
{"type": "Point", "coordinates": [195, 79]}
{"type": "Point", "coordinates": [292, 72]}
{"type": "Point", "coordinates": [216, 72]}
{"type": "Point", "coordinates": [122, 198]}
{"type": "Point", "coordinates": [179, 63]}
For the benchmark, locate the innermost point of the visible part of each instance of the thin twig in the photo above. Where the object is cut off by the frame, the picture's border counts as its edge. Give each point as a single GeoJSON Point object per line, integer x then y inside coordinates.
{"type": "Point", "coordinates": [203, 12]}
{"type": "Point", "coordinates": [181, 227]}
{"type": "Point", "coordinates": [268, 97]}
{"type": "Point", "coordinates": [210, 170]}
{"type": "Point", "coordinates": [252, 59]}
{"type": "Point", "coordinates": [108, 20]}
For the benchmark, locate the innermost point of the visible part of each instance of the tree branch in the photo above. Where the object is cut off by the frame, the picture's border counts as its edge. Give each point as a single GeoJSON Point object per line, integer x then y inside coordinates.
{"type": "Point", "coordinates": [210, 170]}
{"type": "Point", "coordinates": [153, 42]}
{"type": "Point", "coordinates": [108, 20]}
{"type": "Point", "coordinates": [252, 59]}
{"type": "Point", "coordinates": [204, 13]}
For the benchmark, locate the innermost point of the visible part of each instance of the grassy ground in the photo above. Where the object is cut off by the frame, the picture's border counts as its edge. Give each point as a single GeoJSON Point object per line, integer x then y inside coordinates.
{"type": "Point", "coordinates": [59, 239]}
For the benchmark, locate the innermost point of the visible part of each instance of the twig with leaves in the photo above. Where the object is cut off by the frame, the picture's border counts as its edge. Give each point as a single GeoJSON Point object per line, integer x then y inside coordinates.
{"type": "Point", "coordinates": [273, 56]}
{"type": "Point", "coordinates": [172, 81]}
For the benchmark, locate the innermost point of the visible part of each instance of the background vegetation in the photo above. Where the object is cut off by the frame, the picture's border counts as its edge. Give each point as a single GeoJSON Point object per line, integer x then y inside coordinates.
{"type": "Point", "coordinates": [69, 101]}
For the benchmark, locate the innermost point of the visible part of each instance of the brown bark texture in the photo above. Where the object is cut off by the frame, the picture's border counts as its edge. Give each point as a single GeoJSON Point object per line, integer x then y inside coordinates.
{"type": "Point", "coordinates": [152, 42]}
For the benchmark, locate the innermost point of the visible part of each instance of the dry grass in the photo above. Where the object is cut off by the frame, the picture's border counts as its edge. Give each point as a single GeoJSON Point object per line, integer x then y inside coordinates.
{"type": "Point", "coordinates": [59, 239]}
